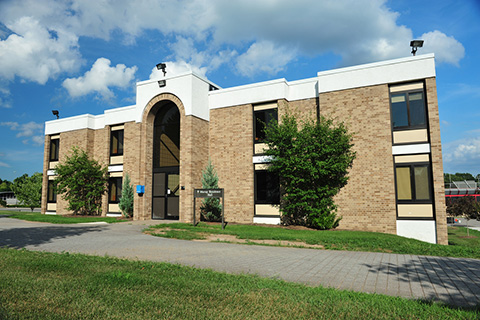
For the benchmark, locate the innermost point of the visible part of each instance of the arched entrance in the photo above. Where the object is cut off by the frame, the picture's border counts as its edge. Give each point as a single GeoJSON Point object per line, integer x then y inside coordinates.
{"type": "Point", "coordinates": [166, 162]}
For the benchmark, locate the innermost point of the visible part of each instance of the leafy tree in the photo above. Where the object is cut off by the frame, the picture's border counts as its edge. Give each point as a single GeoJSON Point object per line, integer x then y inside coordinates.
{"type": "Point", "coordinates": [5, 185]}
{"type": "Point", "coordinates": [28, 190]}
{"type": "Point", "coordinates": [465, 207]}
{"type": "Point", "coordinates": [211, 209]}
{"type": "Point", "coordinates": [82, 182]}
{"type": "Point", "coordinates": [126, 200]}
{"type": "Point", "coordinates": [312, 163]}
{"type": "Point", "coordinates": [449, 177]}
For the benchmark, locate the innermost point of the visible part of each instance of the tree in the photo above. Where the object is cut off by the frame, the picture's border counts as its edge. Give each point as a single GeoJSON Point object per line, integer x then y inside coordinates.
{"type": "Point", "coordinates": [211, 209]}
{"type": "Point", "coordinates": [465, 207]}
{"type": "Point", "coordinates": [5, 185]}
{"type": "Point", "coordinates": [28, 190]}
{"type": "Point", "coordinates": [126, 200]}
{"type": "Point", "coordinates": [82, 182]}
{"type": "Point", "coordinates": [312, 163]}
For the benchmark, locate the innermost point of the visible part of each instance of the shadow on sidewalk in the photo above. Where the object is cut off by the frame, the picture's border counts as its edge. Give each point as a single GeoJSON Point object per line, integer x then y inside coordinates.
{"type": "Point", "coordinates": [454, 281]}
{"type": "Point", "coordinates": [33, 236]}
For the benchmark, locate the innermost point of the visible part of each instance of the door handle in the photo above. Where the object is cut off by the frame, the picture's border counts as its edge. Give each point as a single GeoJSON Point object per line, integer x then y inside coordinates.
{"type": "Point", "coordinates": [169, 191]}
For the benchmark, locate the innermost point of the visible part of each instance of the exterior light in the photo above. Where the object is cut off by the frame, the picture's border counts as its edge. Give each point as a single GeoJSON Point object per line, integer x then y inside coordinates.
{"type": "Point", "coordinates": [162, 66]}
{"type": "Point", "coordinates": [55, 113]}
{"type": "Point", "coordinates": [162, 83]}
{"type": "Point", "coordinates": [416, 44]}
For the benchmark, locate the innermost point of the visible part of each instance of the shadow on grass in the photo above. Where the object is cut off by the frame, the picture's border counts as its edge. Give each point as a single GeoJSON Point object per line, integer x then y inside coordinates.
{"type": "Point", "coordinates": [34, 236]}
{"type": "Point", "coordinates": [453, 281]}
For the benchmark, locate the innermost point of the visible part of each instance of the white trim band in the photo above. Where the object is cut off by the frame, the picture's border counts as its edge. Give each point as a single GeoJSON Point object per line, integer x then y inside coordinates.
{"type": "Point", "coordinates": [411, 149]}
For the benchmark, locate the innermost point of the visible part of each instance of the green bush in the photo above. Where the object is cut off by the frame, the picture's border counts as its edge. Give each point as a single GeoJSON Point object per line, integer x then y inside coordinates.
{"type": "Point", "coordinates": [211, 209]}
{"type": "Point", "coordinates": [312, 163]}
{"type": "Point", "coordinates": [126, 200]}
{"type": "Point", "coordinates": [82, 182]}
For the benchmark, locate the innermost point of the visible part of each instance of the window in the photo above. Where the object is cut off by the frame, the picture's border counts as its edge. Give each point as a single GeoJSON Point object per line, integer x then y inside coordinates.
{"type": "Point", "coordinates": [114, 189]}
{"type": "Point", "coordinates": [267, 188]}
{"type": "Point", "coordinates": [413, 183]}
{"type": "Point", "coordinates": [408, 110]}
{"type": "Point", "coordinates": [51, 192]}
{"type": "Point", "coordinates": [54, 146]}
{"type": "Point", "coordinates": [263, 119]}
{"type": "Point", "coordinates": [116, 143]}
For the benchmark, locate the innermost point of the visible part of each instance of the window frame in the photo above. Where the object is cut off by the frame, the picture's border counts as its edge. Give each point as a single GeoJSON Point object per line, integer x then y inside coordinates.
{"type": "Point", "coordinates": [118, 189]}
{"type": "Point", "coordinates": [407, 93]}
{"type": "Point", "coordinates": [51, 192]}
{"type": "Point", "coordinates": [53, 156]}
{"type": "Point", "coordinates": [267, 121]}
{"type": "Point", "coordinates": [255, 192]}
{"type": "Point", "coordinates": [120, 146]}
{"type": "Point", "coordinates": [413, 184]}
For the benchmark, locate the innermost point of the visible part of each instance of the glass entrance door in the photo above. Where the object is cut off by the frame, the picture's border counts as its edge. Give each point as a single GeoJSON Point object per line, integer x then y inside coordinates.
{"type": "Point", "coordinates": [166, 163]}
{"type": "Point", "coordinates": [166, 189]}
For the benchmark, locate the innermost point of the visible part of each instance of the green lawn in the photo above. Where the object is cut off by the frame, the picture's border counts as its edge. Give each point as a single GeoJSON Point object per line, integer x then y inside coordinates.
{"type": "Point", "coordinates": [38, 285]}
{"type": "Point", "coordinates": [332, 240]}
{"type": "Point", "coordinates": [38, 217]}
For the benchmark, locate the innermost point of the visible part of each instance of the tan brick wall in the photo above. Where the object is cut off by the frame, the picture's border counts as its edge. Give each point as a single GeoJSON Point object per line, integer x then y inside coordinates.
{"type": "Point", "coordinates": [194, 150]}
{"type": "Point", "coordinates": [231, 151]}
{"type": "Point", "coordinates": [131, 156]}
{"type": "Point", "coordinates": [304, 109]}
{"type": "Point", "coordinates": [437, 162]}
{"type": "Point", "coordinates": [367, 202]}
{"type": "Point", "coordinates": [45, 177]}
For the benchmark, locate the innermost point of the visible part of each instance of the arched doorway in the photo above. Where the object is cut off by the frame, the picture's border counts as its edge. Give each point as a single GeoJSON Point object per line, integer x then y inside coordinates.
{"type": "Point", "coordinates": [166, 162]}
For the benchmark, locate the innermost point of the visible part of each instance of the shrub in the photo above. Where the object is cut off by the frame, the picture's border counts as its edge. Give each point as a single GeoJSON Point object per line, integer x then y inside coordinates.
{"type": "Point", "coordinates": [211, 209]}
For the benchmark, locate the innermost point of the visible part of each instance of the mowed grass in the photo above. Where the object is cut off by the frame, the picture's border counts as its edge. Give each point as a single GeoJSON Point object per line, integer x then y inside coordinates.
{"type": "Point", "coordinates": [332, 240]}
{"type": "Point", "coordinates": [38, 217]}
{"type": "Point", "coordinates": [39, 285]}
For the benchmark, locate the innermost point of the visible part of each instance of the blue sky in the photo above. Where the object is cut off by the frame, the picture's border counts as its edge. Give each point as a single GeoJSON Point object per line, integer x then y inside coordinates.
{"type": "Point", "coordinates": [85, 56]}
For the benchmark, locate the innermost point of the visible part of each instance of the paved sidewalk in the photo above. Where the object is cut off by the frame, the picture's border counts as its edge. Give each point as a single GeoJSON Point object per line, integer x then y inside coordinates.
{"type": "Point", "coordinates": [451, 280]}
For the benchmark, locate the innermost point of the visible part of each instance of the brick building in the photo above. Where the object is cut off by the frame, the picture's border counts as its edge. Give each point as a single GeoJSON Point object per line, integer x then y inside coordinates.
{"type": "Point", "coordinates": [165, 140]}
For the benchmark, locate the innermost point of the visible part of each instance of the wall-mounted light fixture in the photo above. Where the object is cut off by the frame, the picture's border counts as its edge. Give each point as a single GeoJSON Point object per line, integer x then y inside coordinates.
{"type": "Point", "coordinates": [162, 66]}
{"type": "Point", "coordinates": [416, 44]}
{"type": "Point", "coordinates": [55, 113]}
{"type": "Point", "coordinates": [162, 83]}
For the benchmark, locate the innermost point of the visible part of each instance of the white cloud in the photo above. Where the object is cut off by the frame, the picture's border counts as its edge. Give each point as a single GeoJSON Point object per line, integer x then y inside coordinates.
{"type": "Point", "coordinates": [358, 31]}
{"type": "Point", "coordinates": [99, 78]}
{"type": "Point", "coordinates": [447, 49]}
{"type": "Point", "coordinates": [35, 53]}
{"type": "Point", "coordinates": [462, 155]}
{"type": "Point", "coordinates": [264, 57]}
{"type": "Point", "coordinates": [30, 130]}
{"type": "Point", "coordinates": [3, 164]}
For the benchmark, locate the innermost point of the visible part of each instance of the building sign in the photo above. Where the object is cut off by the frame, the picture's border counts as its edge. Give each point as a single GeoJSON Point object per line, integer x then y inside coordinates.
{"type": "Point", "coordinates": [208, 193]}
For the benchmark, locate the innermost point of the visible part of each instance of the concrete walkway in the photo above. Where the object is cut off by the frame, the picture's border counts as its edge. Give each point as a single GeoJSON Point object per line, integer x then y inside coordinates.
{"type": "Point", "coordinates": [451, 280]}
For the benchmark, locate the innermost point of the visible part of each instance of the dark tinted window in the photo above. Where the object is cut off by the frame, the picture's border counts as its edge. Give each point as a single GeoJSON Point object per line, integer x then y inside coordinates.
{"type": "Point", "coordinates": [408, 110]}
{"type": "Point", "coordinates": [114, 189]}
{"type": "Point", "coordinates": [54, 146]}
{"type": "Point", "coordinates": [262, 119]}
{"type": "Point", "coordinates": [267, 188]}
{"type": "Point", "coordinates": [116, 143]}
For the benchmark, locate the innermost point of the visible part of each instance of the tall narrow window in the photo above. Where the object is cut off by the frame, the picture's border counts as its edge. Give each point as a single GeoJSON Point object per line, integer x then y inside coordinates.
{"type": "Point", "coordinates": [51, 192]}
{"type": "Point", "coordinates": [54, 147]}
{"type": "Point", "coordinates": [114, 189]}
{"type": "Point", "coordinates": [267, 188]}
{"type": "Point", "coordinates": [262, 119]}
{"type": "Point", "coordinates": [116, 143]}
{"type": "Point", "coordinates": [408, 110]}
{"type": "Point", "coordinates": [413, 183]}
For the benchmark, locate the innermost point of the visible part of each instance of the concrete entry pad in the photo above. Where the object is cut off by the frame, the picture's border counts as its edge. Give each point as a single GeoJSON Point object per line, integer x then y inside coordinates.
{"type": "Point", "coordinates": [451, 280]}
